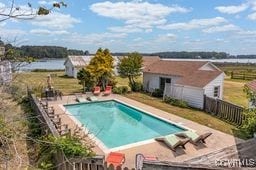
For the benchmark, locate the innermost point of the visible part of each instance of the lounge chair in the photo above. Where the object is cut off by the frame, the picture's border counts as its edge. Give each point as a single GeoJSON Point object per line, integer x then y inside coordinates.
{"type": "Point", "coordinates": [107, 91]}
{"type": "Point", "coordinates": [116, 159]}
{"type": "Point", "coordinates": [194, 137]}
{"type": "Point", "coordinates": [92, 98]}
{"type": "Point", "coordinates": [96, 90]}
{"type": "Point", "coordinates": [80, 98]}
{"type": "Point", "coordinates": [173, 142]}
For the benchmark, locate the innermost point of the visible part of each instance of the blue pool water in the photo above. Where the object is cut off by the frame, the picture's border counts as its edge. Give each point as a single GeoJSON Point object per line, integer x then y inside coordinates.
{"type": "Point", "coordinates": [117, 124]}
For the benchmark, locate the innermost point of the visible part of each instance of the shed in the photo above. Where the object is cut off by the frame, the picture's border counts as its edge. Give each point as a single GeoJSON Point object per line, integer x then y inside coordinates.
{"type": "Point", "coordinates": [185, 80]}
{"type": "Point", "coordinates": [74, 63]}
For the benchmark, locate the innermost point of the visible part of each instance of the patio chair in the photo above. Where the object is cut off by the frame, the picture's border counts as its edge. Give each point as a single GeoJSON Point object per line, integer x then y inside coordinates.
{"type": "Point", "coordinates": [116, 159]}
{"type": "Point", "coordinates": [50, 112]}
{"type": "Point", "coordinates": [80, 98]}
{"type": "Point", "coordinates": [92, 98]}
{"type": "Point", "coordinates": [63, 130]}
{"type": "Point", "coordinates": [44, 105]}
{"type": "Point", "coordinates": [96, 90]}
{"type": "Point", "coordinates": [194, 137]}
{"type": "Point", "coordinates": [173, 142]}
{"type": "Point", "coordinates": [107, 91]}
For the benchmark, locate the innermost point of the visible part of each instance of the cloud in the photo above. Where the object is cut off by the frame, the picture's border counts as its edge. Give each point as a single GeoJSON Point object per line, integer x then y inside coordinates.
{"type": "Point", "coordinates": [125, 29]}
{"type": "Point", "coordinates": [55, 20]}
{"type": "Point", "coordinates": [46, 2]}
{"type": "Point", "coordinates": [2, 24]}
{"type": "Point", "coordinates": [48, 32]}
{"type": "Point", "coordinates": [137, 39]}
{"type": "Point", "coordinates": [94, 38]}
{"type": "Point", "coordinates": [232, 9]}
{"type": "Point", "coordinates": [10, 33]}
{"type": "Point", "coordinates": [166, 38]}
{"type": "Point", "coordinates": [142, 15]}
{"type": "Point", "coordinates": [252, 16]}
{"type": "Point", "coordinates": [223, 28]}
{"type": "Point", "coordinates": [2, 5]}
{"type": "Point", "coordinates": [195, 24]}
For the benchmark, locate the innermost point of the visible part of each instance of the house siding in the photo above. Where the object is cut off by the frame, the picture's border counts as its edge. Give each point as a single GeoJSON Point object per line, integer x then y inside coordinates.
{"type": "Point", "coordinates": [218, 81]}
{"type": "Point", "coordinates": [208, 67]}
{"type": "Point", "coordinates": [152, 81]}
{"type": "Point", "coordinates": [192, 95]}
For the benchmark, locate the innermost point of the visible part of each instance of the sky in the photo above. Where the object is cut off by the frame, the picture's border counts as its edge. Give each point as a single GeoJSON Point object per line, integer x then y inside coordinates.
{"type": "Point", "coordinates": [138, 25]}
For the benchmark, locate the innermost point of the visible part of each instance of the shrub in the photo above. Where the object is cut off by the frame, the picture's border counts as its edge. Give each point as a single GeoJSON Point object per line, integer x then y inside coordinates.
{"type": "Point", "coordinates": [120, 90]}
{"type": "Point", "coordinates": [158, 93]}
{"type": "Point", "coordinates": [136, 87]}
{"type": "Point", "coordinates": [249, 123]}
{"type": "Point", "coordinates": [176, 102]}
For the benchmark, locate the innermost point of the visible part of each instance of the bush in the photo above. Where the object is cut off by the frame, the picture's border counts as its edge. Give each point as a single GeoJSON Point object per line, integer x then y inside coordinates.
{"type": "Point", "coordinates": [176, 102]}
{"type": "Point", "coordinates": [120, 90]}
{"type": "Point", "coordinates": [136, 87]}
{"type": "Point", "coordinates": [249, 123]}
{"type": "Point", "coordinates": [158, 93]}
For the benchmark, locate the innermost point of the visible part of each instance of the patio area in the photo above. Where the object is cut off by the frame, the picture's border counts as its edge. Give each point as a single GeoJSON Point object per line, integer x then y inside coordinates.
{"type": "Point", "coordinates": [217, 141]}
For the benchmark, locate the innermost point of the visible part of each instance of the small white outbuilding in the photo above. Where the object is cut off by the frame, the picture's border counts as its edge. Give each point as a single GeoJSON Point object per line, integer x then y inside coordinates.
{"type": "Point", "coordinates": [74, 63]}
{"type": "Point", "coordinates": [185, 80]}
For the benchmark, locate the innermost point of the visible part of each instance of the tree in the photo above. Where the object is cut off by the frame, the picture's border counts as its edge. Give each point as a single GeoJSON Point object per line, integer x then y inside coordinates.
{"type": "Point", "coordinates": [249, 123]}
{"type": "Point", "coordinates": [26, 12]}
{"type": "Point", "coordinates": [101, 67]}
{"type": "Point", "coordinates": [86, 79]}
{"type": "Point", "coordinates": [130, 67]}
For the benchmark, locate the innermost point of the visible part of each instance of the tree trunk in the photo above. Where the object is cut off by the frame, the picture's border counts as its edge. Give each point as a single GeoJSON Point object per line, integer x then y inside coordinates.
{"type": "Point", "coordinates": [130, 80]}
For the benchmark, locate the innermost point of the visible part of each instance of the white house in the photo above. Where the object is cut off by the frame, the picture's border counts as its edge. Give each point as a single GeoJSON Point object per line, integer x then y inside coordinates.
{"type": "Point", "coordinates": [74, 63]}
{"type": "Point", "coordinates": [5, 72]}
{"type": "Point", "coordinates": [185, 80]}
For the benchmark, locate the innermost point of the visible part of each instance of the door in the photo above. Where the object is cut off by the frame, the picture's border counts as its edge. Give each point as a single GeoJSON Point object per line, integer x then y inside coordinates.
{"type": "Point", "coordinates": [164, 80]}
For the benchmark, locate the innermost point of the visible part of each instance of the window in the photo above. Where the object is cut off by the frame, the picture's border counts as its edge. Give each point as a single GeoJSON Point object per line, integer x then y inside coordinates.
{"type": "Point", "coordinates": [164, 80]}
{"type": "Point", "coordinates": [216, 91]}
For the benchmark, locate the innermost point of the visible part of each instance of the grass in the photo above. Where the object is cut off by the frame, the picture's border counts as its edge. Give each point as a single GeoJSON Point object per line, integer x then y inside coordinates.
{"type": "Point", "coordinates": [38, 79]}
{"type": "Point", "coordinates": [190, 114]}
{"type": "Point", "coordinates": [233, 92]}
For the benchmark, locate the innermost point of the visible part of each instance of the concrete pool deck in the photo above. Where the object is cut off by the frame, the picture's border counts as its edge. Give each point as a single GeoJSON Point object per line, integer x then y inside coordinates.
{"type": "Point", "coordinates": [218, 140]}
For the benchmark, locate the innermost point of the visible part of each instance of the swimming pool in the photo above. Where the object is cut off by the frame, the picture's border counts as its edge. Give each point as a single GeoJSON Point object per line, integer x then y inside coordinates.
{"type": "Point", "coordinates": [116, 124]}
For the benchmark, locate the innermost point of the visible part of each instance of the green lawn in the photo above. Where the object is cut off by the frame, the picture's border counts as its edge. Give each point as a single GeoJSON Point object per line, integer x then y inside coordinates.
{"type": "Point", "coordinates": [232, 92]}
{"type": "Point", "coordinates": [61, 82]}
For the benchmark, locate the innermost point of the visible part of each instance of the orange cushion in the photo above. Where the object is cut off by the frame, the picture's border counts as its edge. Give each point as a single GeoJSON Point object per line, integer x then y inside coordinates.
{"type": "Point", "coordinates": [115, 158]}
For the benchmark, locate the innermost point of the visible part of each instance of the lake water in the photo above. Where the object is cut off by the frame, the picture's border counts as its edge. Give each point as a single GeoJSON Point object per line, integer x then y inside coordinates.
{"type": "Point", "coordinates": [51, 64]}
{"type": "Point", "coordinates": [58, 64]}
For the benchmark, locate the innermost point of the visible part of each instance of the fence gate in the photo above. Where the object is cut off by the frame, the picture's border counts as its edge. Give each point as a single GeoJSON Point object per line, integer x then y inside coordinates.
{"type": "Point", "coordinates": [224, 110]}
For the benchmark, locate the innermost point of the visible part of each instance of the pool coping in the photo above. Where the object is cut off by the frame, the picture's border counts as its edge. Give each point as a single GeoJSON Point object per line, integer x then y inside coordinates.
{"type": "Point", "coordinates": [101, 145]}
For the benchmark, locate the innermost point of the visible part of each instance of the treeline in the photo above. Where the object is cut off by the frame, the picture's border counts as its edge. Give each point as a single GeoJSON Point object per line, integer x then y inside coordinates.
{"type": "Point", "coordinates": [41, 51]}
{"type": "Point", "coordinates": [62, 52]}
{"type": "Point", "coordinates": [246, 56]}
{"type": "Point", "coordinates": [184, 54]}
{"type": "Point", "coordinates": [194, 55]}
{"type": "Point", "coordinates": [49, 51]}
